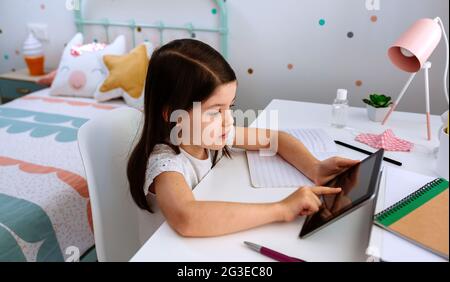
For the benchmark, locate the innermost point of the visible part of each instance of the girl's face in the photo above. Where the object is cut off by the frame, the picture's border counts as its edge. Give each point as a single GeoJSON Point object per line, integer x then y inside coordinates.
{"type": "Point", "coordinates": [211, 121]}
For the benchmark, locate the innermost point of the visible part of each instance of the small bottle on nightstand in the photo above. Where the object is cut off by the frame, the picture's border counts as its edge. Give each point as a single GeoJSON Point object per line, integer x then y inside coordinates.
{"type": "Point", "coordinates": [340, 109]}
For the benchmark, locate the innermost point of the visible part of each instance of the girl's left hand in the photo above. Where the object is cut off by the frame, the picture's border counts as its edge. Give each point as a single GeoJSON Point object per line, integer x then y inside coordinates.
{"type": "Point", "coordinates": [330, 168]}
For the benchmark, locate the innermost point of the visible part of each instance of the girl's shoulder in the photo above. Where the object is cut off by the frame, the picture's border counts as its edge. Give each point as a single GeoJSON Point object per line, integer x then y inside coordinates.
{"type": "Point", "coordinates": [163, 155]}
{"type": "Point", "coordinates": [162, 159]}
{"type": "Point", "coordinates": [162, 149]}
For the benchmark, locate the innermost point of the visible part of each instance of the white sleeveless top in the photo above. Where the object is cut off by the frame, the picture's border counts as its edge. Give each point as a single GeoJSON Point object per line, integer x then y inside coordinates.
{"type": "Point", "coordinates": [163, 159]}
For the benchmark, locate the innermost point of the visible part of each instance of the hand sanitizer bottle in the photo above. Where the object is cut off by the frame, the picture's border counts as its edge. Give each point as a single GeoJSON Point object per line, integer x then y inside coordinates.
{"type": "Point", "coordinates": [340, 109]}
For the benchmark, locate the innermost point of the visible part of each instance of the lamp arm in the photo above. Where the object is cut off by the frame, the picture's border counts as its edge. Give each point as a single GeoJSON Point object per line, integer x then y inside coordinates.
{"type": "Point", "coordinates": [439, 20]}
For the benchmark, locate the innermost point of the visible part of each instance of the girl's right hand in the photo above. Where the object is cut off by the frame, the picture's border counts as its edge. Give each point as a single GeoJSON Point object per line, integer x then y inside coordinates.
{"type": "Point", "coordinates": [305, 201]}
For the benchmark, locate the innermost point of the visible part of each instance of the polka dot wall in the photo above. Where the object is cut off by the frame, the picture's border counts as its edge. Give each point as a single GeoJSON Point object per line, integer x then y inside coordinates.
{"type": "Point", "coordinates": [12, 54]}
{"type": "Point", "coordinates": [152, 35]}
{"type": "Point", "coordinates": [324, 24]}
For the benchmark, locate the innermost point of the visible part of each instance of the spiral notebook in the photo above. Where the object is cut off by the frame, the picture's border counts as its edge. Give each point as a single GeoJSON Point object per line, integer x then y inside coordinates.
{"type": "Point", "coordinates": [421, 218]}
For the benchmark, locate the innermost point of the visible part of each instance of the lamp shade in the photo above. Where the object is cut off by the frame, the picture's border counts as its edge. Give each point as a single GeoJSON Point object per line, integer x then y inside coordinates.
{"type": "Point", "coordinates": [416, 45]}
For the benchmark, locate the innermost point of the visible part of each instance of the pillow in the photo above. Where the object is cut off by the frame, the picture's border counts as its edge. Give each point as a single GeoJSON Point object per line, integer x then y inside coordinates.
{"type": "Point", "coordinates": [126, 73]}
{"type": "Point", "coordinates": [80, 70]}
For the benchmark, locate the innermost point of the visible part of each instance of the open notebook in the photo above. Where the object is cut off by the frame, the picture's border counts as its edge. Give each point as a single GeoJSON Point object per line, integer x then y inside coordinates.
{"type": "Point", "coordinates": [274, 171]}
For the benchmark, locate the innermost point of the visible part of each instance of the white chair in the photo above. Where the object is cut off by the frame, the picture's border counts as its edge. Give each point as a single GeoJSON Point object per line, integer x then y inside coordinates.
{"type": "Point", "coordinates": [105, 143]}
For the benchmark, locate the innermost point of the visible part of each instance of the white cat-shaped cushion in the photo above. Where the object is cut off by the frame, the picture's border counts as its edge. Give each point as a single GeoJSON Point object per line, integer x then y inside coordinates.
{"type": "Point", "coordinates": [80, 73]}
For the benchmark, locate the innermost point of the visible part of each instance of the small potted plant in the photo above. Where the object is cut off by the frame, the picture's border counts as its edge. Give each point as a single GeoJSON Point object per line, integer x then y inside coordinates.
{"type": "Point", "coordinates": [378, 106]}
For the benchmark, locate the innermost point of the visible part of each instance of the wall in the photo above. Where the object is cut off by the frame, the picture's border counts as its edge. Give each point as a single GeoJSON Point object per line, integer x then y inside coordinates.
{"type": "Point", "coordinates": [279, 49]}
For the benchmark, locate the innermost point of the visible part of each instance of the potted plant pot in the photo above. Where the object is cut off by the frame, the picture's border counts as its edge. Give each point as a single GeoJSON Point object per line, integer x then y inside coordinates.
{"type": "Point", "coordinates": [377, 114]}
{"type": "Point", "coordinates": [378, 105]}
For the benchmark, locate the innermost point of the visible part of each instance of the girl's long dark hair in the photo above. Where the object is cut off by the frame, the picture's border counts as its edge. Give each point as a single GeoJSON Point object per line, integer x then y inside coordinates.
{"type": "Point", "coordinates": [179, 73]}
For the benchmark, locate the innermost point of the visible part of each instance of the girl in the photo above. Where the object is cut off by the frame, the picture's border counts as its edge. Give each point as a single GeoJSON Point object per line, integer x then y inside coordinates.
{"type": "Point", "coordinates": [169, 163]}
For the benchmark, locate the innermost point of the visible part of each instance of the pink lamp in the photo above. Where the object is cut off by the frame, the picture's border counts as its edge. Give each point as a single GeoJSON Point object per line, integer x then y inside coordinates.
{"type": "Point", "coordinates": [411, 52]}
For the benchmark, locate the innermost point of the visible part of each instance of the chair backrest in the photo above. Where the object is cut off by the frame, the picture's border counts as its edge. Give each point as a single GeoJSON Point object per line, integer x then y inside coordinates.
{"type": "Point", "coordinates": [105, 144]}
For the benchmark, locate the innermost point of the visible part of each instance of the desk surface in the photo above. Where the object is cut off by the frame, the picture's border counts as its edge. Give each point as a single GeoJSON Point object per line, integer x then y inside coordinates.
{"type": "Point", "coordinates": [345, 240]}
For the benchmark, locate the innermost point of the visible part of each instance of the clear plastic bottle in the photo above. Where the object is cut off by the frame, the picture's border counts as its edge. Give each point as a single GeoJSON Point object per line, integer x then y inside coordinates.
{"type": "Point", "coordinates": [340, 109]}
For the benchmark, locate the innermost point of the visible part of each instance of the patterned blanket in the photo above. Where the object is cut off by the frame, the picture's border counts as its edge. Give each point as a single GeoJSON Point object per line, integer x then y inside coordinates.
{"type": "Point", "coordinates": [44, 202]}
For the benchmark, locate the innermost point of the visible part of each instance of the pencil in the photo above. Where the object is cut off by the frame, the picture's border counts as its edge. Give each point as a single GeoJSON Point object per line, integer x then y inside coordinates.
{"type": "Point", "coordinates": [367, 152]}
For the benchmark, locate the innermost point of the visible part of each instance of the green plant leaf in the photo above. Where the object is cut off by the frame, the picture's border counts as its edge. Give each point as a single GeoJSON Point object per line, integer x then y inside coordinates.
{"type": "Point", "coordinates": [372, 97]}
{"type": "Point", "coordinates": [379, 100]}
{"type": "Point", "coordinates": [368, 102]}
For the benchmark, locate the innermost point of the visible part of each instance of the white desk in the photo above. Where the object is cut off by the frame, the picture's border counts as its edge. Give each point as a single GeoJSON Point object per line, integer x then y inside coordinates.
{"type": "Point", "coordinates": [345, 240]}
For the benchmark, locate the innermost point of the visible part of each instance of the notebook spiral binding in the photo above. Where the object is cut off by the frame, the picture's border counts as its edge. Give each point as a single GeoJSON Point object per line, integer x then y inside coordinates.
{"type": "Point", "coordinates": [412, 197]}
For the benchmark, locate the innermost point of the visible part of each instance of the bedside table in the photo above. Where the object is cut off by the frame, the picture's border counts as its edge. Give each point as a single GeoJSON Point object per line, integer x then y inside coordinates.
{"type": "Point", "coordinates": [17, 84]}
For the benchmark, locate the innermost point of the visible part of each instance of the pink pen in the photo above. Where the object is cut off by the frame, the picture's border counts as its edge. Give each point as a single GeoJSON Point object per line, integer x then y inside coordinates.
{"type": "Point", "coordinates": [271, 253]}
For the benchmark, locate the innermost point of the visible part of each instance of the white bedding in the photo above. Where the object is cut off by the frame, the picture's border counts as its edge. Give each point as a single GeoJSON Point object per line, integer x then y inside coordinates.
{"type": "Point", "coordinates": [44, 202]}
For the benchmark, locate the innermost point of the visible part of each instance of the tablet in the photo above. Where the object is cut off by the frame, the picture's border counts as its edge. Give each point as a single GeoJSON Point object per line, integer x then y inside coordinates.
{"type": "Point", "coordinates": [359, 186]}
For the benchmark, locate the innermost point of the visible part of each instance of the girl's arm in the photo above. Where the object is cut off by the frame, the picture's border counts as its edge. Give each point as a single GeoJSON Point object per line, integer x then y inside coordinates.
{"type": "Point", "coordinates": [293, 151]}
{"type": "Point", "coordinates": [288, 147]}
{"type": "Point", "coordinates": [192, 218]}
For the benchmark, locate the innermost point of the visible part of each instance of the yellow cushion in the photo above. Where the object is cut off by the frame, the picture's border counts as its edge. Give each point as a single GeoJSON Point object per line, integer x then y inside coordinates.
{"type": "Point", "coordinates": [127, 72]}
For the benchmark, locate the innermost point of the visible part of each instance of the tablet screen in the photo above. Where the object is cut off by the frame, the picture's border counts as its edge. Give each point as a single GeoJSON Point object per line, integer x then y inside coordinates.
{"type": "Point", "coordinates": [358, 184]}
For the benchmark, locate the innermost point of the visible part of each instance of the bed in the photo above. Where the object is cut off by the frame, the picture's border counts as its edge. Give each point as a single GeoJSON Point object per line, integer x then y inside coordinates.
{"type": "Point", "coordinates": [45, 212]}
{"type": "Point", "coordinates": [44, 202]}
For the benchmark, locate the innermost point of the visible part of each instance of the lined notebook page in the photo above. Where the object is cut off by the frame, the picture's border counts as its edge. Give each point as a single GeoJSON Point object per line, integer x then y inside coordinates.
{"type": "Point", "coordinates": [274, 171]}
